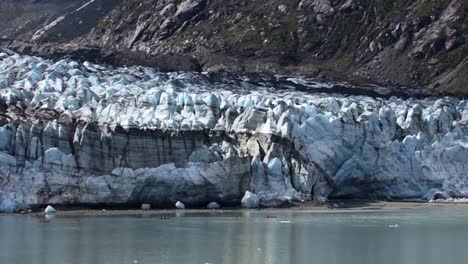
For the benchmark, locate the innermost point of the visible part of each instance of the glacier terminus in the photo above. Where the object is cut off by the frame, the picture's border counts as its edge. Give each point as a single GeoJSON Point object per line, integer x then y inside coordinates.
{"type": "Point", "coordinates": [80, 133]}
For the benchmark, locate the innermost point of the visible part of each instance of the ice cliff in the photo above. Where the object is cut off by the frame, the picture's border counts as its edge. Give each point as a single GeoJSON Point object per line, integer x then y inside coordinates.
{"type": "Point", "coordinates": [80, 133]}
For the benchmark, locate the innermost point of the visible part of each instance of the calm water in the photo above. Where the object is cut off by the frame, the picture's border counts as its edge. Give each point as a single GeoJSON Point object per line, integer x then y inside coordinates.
{"type": "Point", "coordinates": [422, 236]}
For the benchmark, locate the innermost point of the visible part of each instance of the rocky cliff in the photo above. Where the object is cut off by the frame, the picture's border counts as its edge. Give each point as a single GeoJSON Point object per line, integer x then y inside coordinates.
{"type": "Point", "coordinates": [81, 133]}
{"type": "Point", "coordinates": [420, 43]}
{"type": "Point", "coordinates": [51, 20]}
{"type": "Point", "coordinates": [408, 42]}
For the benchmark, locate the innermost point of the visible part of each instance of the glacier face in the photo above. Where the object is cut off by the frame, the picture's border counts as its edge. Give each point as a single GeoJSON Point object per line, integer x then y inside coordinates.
{"type": "Point", "coordinates": [81, 133]}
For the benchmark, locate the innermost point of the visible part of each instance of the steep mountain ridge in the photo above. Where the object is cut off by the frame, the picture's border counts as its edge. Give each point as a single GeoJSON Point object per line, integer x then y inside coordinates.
{"type": "Point", "coordinates": [51, 20]}
{"type": "Point", "coordinates": [420, 43]}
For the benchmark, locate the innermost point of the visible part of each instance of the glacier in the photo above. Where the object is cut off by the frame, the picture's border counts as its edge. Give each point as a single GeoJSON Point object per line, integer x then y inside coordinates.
{"type": "Point", "coordinates": [74, 133]}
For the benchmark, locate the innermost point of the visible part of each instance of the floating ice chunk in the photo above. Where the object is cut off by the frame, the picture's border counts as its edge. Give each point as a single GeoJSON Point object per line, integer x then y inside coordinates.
{"type": "Point", "coordinates": [50, 210]}
{"type": "Point", "coordinates": [180, 205]}
{"type": "Point", "coordinates": [250, 200]}
{"type": "Point", "coordinates": [213, 205]}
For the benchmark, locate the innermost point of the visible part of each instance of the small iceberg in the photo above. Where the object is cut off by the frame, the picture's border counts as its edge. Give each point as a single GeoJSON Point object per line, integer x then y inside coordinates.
{"type": "Point", "coordinates": [180, 205]}
{"type": "Point", "coordinates": [50, 210]}
{"type": "Point", "coordinates": [250, 200]}
{"type": "Point", "coordinates": [145, 206]}
{"type": "Point", "coordinates": [213, 205]}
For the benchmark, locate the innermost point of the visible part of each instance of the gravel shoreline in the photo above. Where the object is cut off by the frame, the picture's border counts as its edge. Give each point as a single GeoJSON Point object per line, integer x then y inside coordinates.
{"type": "Point", "coordinates": [308, 207]}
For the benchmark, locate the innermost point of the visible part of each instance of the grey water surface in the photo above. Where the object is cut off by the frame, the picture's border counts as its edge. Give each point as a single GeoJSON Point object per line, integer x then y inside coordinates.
{"type": "Point", "coordinates": [399, 236]}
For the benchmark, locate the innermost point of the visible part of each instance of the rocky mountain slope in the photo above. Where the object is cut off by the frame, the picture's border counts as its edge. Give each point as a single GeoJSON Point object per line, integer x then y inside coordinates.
{"type": "Point", "coordinates": [419, 43]}
{"type": "Point", "coordinates": [79, 133]}
{"type": "Point", "coordinates": [51, 20]}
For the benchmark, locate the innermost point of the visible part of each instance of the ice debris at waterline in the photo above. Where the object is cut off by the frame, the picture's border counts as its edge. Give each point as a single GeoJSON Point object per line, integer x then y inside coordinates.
{"type": "Point", "coordinates": [50, 210]}
{"type": "Point", "coordinates": [250, 200]}
{"type": "Point", "coordinates": [80, 133]}
{"type": "Point", "coordinates": [145, 206]}
{"type": "Point", "coordinates": [180, 205]}
{"type": "Point", "coordinates": [213, 205]}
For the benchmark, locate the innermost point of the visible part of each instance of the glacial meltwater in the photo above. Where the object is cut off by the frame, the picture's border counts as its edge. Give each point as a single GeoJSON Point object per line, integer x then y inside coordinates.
{"type": "Point", "coordinates": [413, 236]}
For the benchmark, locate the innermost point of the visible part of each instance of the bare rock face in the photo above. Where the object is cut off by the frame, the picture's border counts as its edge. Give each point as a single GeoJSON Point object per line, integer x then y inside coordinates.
{"type": "Point", "coordinates": [412, 43]}
{"type": "Point", "coordinates": [188, 8]}
{"type": "Point", "coordinates": [318, 6]}
{"type": "Point", "coordinates": [81, 133]}
{"type": "Point", "coordinates": [420, 43]}
{"type": "Point", "coordinates": [51, 20]}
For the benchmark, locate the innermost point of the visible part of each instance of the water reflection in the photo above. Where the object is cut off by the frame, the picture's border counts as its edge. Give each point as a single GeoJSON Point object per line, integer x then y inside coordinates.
{"type": "Point", "coordinates": [429, 236]}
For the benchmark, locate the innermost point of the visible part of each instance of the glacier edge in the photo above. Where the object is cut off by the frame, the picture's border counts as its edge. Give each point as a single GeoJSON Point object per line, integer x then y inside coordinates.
{"type": "Point", "coordinates": [81, 133]}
